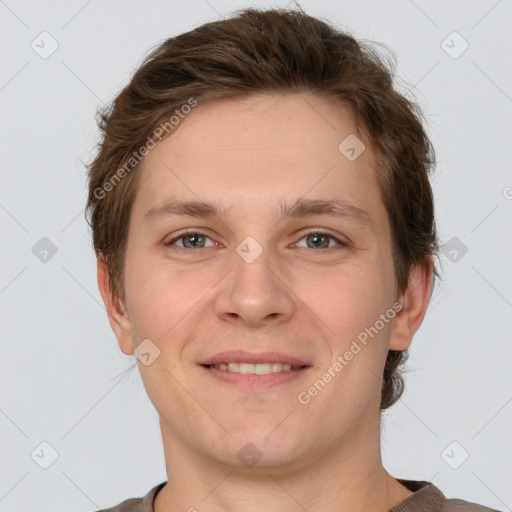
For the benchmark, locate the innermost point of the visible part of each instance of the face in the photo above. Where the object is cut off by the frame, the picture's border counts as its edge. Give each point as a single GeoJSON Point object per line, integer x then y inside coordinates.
{"type": "Point", "coordinates": [266, 272]}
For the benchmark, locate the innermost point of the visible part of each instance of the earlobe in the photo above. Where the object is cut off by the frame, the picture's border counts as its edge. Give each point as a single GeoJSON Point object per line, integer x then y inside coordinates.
{"type": "Point", "coordinates": [414, 302]}
{"type": "Point", "coordinates": [116, 310]}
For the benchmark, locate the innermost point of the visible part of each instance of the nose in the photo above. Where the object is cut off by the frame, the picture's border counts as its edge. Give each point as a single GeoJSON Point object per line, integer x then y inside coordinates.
{"type": "Point", "coordinates": [255, 292]}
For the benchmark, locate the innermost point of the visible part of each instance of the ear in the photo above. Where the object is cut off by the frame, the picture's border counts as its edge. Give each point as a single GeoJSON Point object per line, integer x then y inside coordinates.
{"type": "Point", "coordinates": [414, 302]}
{"type": "Point", "coordinates": [116, 310]}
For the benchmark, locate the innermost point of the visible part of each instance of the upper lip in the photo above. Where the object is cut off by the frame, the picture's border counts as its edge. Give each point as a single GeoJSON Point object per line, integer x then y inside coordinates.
{"type": "Point", "coordinates": [241, 356]}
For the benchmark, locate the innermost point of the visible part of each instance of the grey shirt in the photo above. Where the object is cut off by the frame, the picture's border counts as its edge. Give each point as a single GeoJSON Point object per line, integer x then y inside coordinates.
{"type": "Point", "coordinates": [426, 498]}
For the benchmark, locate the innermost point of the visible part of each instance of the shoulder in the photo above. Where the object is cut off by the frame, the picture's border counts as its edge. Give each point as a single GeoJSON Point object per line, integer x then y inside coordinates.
{"type": "Point", "coordinates": [455, 505]}
{"type": "Point", "coordinates": [426, 497]}
{"type": "Point", "coordinates": [144, 504]}
{"type": "Point", "coordinates": [129, 505]}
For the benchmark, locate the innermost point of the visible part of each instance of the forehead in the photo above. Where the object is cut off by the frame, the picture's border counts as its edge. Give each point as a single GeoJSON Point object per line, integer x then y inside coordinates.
{"type": "Point", "coordinates": [261, 150]}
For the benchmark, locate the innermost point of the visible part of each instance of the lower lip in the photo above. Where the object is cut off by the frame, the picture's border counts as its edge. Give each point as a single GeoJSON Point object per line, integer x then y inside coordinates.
{"type": "Point", "coordinates": [253, 382]}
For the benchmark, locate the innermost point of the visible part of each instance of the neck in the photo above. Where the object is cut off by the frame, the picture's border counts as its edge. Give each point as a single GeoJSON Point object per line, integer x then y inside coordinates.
{"type": "Point", "coordinates": [350, 477]}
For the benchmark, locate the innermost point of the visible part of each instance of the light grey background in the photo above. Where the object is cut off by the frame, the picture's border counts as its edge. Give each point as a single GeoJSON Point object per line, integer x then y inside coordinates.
{"type": "Point", "coordinates": [64, 380]}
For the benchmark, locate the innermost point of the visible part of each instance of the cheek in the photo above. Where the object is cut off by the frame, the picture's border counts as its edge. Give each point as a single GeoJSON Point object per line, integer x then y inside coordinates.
{"type": "Point", "coordinates": [162, 296]}
{"type": "Point", "coordinates": [149, 297]}
{"type": "Point", "coordinates": [351, 292]}
{"type": "Point", "coordinates": [347, 302]}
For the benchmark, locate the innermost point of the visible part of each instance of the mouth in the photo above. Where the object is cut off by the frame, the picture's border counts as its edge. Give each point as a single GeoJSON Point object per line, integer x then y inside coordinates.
{"type": "Point", "coordinates": [255, 372]}
{"type": "Point", "coordinates": [254, 368]}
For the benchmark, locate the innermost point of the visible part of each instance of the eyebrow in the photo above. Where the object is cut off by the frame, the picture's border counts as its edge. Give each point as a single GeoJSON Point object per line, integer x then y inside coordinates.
{"type": "Point", "coordinates": [335, 207]}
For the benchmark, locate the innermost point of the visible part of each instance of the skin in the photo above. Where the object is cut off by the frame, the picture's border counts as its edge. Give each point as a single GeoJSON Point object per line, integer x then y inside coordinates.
{"type": "Point", "coordinates": [312, 302]}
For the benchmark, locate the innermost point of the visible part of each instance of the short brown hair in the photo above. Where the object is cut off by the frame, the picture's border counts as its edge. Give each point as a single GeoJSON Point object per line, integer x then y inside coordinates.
{"type": "Point", "coordinates": [274, 51]}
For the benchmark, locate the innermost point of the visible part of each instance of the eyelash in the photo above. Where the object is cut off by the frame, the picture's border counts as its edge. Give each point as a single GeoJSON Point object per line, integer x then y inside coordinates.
{"type": "Point", "coordinates": [341, 244]}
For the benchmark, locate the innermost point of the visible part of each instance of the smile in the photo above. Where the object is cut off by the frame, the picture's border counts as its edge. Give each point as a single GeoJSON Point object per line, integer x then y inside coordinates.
{"type": "Point", "coordinates": [257, 369]}
{"type": "Point", "coordinates": [255, 377]}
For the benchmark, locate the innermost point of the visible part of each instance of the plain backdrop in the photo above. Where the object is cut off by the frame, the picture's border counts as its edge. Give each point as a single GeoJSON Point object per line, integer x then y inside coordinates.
{"type": "Point", "coordinates": [67, 400]}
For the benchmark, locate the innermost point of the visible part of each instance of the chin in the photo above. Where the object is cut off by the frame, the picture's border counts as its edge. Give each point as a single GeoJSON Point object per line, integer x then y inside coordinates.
{"type": "Point", "coordinates": [260, 449]}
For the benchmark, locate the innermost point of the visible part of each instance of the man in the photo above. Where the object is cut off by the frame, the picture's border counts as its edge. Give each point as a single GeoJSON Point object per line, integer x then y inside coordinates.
{"type": "Point", "coordinates": [265, 234]}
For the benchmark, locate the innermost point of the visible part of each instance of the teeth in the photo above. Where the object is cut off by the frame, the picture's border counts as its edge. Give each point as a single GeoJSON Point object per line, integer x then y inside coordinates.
{"type": "Point", "coordinates": [258, 369]}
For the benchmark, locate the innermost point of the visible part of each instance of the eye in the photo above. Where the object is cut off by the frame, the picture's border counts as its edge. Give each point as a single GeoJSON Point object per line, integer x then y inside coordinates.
{"type": "Point", "coordinates": [191, 240]}
{"type": "Point", "coordinates": [197, 240]}
{"type": "Point", "coordinates": [319, 239]}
